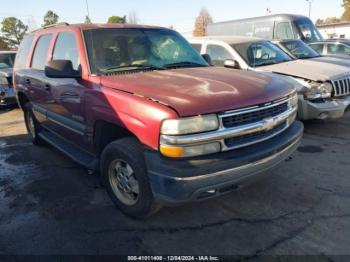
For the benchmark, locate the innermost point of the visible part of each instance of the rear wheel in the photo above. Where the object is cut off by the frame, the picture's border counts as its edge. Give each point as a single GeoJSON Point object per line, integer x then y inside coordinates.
{"type": "Point", "coordinates": [125, 177]}
{"type": "Point", "coordinates": [32, 125]}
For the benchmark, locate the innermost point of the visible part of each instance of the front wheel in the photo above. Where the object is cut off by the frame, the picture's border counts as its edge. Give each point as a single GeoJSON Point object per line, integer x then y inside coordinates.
{"type": "Point", "coordinates": [124, 174]}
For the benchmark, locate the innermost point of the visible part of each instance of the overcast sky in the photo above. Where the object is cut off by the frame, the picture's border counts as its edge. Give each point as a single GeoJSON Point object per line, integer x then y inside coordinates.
{"type": "Point", "coordinates": [179, 13]}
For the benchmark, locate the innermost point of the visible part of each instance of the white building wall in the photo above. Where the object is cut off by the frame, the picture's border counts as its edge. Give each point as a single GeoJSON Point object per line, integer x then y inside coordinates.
{"type": "Point", "coordinates": [336, 31]}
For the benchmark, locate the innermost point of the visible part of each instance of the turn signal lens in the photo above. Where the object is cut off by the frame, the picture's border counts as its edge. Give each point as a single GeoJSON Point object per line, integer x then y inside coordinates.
{"type": "Point", "coordinates": [190, 151]}
{"type": "Point", "coordinates": [171, 151]}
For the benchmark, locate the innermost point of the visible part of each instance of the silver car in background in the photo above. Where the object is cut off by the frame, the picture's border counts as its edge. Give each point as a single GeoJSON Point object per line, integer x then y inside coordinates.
{"type": "Point", "coordinates": [332, 47]}
{"type": "Point", "coordinates": [7, 96]}
{"type": "Point", "coordinates": [297, 49]}
{"type": "Point", "coordinates": [324, 88]}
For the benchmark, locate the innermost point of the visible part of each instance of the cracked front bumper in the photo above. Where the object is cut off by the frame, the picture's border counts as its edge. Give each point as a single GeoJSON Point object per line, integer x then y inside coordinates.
{"type": "Point", "coordinates": [7, 96]}
{"type": "Point", "coordinates": [179, 181]}
{"type": "Point", "coordinates": [334, 108]}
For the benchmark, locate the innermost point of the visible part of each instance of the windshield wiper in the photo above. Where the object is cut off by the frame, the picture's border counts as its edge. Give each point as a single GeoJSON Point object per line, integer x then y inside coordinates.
{"type": "Point", "coordinates": [132, 67]}
{"type": "Point", "coordinates": [184, 64]}
{"type": "Point", "coordinates": [266, 63]}
{"type": "Point", "coordinates": [274, 62]}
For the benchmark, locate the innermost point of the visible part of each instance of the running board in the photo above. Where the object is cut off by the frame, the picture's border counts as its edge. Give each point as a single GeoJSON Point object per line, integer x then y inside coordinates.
{"type": "Point", "coordinates": [76, 154]}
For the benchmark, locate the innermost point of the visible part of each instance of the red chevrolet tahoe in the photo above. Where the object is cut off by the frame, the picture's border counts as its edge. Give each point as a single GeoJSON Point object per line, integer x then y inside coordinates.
{"type": "Point", "coordinates": [141, 107]}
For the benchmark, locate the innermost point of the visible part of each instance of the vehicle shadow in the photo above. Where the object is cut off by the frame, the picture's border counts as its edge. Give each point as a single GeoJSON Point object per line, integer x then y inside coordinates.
{"type": "Point", "coordinates": [6, 108]}
{"type": "Point", "coordinates": [331, 128]}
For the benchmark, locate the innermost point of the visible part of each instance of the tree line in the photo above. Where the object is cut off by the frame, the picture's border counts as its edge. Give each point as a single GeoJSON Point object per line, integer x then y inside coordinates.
{"type": "Point", "coordinates": [13, 29]}
{"type": "Point", "coordinates": [333, 20]}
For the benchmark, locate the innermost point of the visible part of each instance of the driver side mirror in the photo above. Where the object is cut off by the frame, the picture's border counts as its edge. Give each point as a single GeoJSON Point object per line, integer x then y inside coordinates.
{"type": "Point", "coordinates": [207, 58]}
{"type": "Point", "coordinates": [230, 63]}
{"type": "Point", "coordinates": [61, 69]}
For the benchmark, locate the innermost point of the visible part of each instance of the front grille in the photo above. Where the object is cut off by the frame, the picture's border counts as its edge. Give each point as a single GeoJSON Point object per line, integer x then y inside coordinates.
{"type": "Point", "coordinates": [254, 116]}
{"type": "Point", "coordinates": [236, 142]}
{"type": "Point", "coordinates": [341, 87]}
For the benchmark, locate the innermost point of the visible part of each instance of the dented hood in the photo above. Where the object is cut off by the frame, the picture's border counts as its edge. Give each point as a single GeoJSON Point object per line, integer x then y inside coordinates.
{"type": "Point", "coordinates": [309, 69]}
{"type": "Point", "coordinates": [332, 60]}
{"type": "Point", "coordinates": [194, 91]}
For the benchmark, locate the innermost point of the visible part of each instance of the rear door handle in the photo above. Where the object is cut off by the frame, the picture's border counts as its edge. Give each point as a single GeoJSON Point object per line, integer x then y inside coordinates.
{"type": "Point", "coordinates": [27, 81]}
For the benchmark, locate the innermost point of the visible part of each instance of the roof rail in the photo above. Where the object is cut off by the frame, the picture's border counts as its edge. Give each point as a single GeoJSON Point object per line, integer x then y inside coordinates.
{"type": "Point", "coordinates": [54, 25]}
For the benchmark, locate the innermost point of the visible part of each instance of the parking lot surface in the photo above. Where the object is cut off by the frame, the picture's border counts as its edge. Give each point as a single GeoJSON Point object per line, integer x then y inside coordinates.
{"type": "Point", "coordinates": [50, 205]}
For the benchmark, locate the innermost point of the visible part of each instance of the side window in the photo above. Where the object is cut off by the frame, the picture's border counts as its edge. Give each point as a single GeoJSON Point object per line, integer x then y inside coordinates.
{"type": "Point", "coordinates": [198, 47]}
{"type": "Point", "coordinates": [41, 51]}
{"type": "Point", "coordinates": [263, 53]}
{"type": "Point", "coordinates": [338, 49]}
{"type": "Point", "coordinates": [218, 54]}
{"type": "Point", "coordinates": [317, 47]}
{"type": "Point", "coordinates": [23, 51]}
{"type": "Point", "coordinates": [284, 31]}
{"type": "Point", "coordinates": [66, 49]}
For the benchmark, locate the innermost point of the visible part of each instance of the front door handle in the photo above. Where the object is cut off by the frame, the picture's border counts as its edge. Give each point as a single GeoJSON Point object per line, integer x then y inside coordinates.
{"type": "Point", "coordinates": [47, 87]}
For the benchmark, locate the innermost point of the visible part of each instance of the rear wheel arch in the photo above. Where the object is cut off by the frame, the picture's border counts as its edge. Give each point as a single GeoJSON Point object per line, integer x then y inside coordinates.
{"type": "Point", "coordinates": [22, 99]}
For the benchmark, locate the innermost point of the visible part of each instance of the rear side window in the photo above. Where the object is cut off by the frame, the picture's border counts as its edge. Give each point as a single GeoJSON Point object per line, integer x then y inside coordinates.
{"type": "Point", "coordinates": [338, 49]}
{"type": "Point", "coordinates": [66, 49]}
{"type": "Point", "coordinates": [23, 51]}
{"type": "Point", "coordinates": [6, 60]}
{"type": "Point", "coordinates": [198, 47]}
{"type": "Point", "coordinates": [284, 31]}
{"type": "Point", "coordinates": [218, 54]}
{"type": "Point", "coordinates": [41, 52]}
{"type": "Point", "coordinates": [317, 47]}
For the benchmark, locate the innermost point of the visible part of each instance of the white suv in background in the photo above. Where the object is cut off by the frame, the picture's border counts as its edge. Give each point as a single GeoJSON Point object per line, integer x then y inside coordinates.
{"type": "Point", "coordinates": [324, 90]}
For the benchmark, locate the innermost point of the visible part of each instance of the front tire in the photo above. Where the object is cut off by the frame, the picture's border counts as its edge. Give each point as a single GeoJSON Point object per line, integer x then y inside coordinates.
{"type": "Point", "coordinates": [32, 125]}
{"type": "Point", "coordinates": [124, 175]}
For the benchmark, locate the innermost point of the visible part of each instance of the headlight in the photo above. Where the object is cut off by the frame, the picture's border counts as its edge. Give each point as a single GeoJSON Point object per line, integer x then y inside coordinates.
{"type": "Point", "coordinates": [294, 100]}
{"type": "Point", "coordinates": [314, 90]}
{"type": "Point", "coordinates": [188, 151]}
{"type": "Point", "coordinates": [3, 81]}
{"type": "Point", "coordinates": [190, 125]}
{"type": "Point", "coordinates": [319, 90]}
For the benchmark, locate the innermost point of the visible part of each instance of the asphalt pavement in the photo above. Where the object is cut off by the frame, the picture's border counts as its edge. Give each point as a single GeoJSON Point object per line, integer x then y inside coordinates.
{"type": "Point", "coordinates": [50, 205]}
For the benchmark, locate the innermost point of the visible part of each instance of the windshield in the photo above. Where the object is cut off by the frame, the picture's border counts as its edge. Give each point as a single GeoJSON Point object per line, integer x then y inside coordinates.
{"type": "Point", "coordinates": [261, 53]}
{"type": "Point", "coordinates": [123, 49]}
{"type": "Point", "coordinates": [7, 60]}
{"type": "Point", "coordinates": [299, 49]}
{"type": "Point", "coordinates": [308, 31]}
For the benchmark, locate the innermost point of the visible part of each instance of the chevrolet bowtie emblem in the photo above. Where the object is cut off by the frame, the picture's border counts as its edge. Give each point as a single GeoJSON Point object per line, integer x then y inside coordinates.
{"type": "Point", "coordinates": [268, 124]}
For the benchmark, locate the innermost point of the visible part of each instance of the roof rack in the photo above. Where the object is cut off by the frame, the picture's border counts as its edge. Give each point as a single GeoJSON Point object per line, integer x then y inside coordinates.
{"type": "Point", "coordinates": [54, 25]}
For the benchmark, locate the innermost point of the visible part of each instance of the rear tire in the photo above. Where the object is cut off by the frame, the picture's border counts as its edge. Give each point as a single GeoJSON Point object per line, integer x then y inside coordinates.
{"type": "Point", "coordinates": [32, 125]}
{"type": "Point", "coordinates": [124, 175]}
